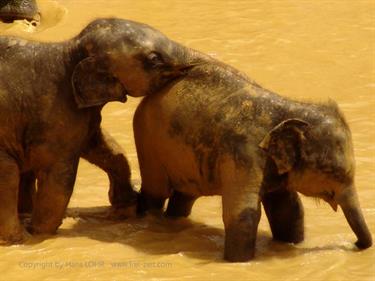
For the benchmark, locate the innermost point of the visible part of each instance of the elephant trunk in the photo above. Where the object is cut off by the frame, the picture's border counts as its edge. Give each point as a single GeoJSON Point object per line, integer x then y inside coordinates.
{"type": "Point", "coordinates": [349, 203]}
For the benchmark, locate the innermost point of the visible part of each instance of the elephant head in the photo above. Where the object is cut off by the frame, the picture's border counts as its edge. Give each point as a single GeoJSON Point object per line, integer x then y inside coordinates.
{"type": "Point", "coordinates": [18, 9]}
{"type": "Point", "coordinates": [121, 57]}
{"type": "Point", "coordinates": [317, 158]}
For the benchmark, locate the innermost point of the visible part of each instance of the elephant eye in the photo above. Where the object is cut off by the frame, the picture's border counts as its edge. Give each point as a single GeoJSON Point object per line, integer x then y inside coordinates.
{"type": "Point", "coordinates": [155, 59]}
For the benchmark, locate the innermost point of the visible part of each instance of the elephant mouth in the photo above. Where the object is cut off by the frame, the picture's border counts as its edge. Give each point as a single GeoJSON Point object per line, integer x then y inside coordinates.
{"type": "Point", "coordinates": [125, 94]}
{"type": "Point", "coordinates": [122, 95]}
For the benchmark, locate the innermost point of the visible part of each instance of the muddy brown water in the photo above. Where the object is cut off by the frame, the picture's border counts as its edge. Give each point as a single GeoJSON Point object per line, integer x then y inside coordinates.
{"type": "Point", "coordinates": [311, 50]}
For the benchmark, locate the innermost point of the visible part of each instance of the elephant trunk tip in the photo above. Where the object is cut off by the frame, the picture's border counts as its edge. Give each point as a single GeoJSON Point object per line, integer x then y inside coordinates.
{"type": "Point", "coordinates": [349, 203]}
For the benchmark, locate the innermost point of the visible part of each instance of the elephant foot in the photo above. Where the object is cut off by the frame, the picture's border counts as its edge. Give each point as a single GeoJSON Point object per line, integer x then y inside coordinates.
{"type": "Point", "coordinates": [284, 211]}
{"type": "Point", "coordinates": [11, 10]}
{"type": "Point", "coordinates": [122, 212]}
{"type": "Point", "coordinates": [42, 229]}
{"type": "Point", "coordinates": [148, 203]}
{"type": "Point", "coordinates": [240, 237]}
{"type": "Point", "coordinates": [180, 205]}
{"type": "Point", "coordinates": [233, 253]}
{"type": "Point", "coordinates": [37, 225]}
{"type": "Point", "coordinates": [16, 235]}
{"type": "Point", "coordinates": [124, 201]}
{"type": "Point", "coordinates": [288, 236]}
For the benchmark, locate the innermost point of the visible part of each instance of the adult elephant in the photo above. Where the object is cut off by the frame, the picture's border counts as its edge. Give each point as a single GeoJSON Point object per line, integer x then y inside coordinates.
{"type": "Point", "coordinates": [51, 96]}
{"type": "Point", "coordinates": [18, 9]}
{"type": "Point", "coordinates": [216, 132]}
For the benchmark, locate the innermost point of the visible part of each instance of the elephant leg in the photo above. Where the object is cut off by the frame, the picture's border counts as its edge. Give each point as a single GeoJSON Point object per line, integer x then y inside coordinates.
{"type": "Point", "coordinates": [148, 202]}
{"type": "Point", "coordinates": [155, 188]}
{"type": "Point", "coordinates": [180, 204]}
{"type": "Point", "coordinates": [27, 190]}
{"type": "Point", "coordinates": [11, 230]}
{"type": "Point", "coordinates": [104, 152]}
{"type": "Point", "coordinates": [284, 211]}
{"type": "Point", "coordinates": [18, 9]}
{"type": "Point", "coordinates": [55, 186]}
{"type": "Point", "coordinates": [241, 211]}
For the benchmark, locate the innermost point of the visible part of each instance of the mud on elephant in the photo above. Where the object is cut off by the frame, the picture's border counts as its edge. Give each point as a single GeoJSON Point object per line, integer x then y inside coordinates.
{"type": "Point", "coordinates": [51, 96]}
{"type": "Point", "coordinates": [216, 132]}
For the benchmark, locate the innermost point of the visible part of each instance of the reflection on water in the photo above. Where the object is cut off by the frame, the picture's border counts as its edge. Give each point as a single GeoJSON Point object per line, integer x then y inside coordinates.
{"type": "Point", "coordinates": [303, 49]}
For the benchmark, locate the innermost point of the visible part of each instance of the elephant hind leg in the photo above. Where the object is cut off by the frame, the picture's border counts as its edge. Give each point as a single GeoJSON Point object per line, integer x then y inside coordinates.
{"type": "Point", "coordinates": [26, 192]}
{"type": "Point", "coordinates": [55, 186]}
{"type": "Point", "coordinates": [148, 202]}
{"type": "Point", "coordinates": [284, 211]}
{"type": "Point", "coordinates": [11, 230]}
{"type": "Point", "coordinates": [155, 188]}
{"type": "Point", "coordinates": [180, 204]}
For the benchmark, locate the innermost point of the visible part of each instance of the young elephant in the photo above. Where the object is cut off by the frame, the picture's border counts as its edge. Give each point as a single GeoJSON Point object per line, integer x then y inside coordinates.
{"type": "Point", "coordinates": [218, 133]}
{"type": "Point", "coordinates": [18, 9]}
{"type": "Point", "coordinates": [51, 95]}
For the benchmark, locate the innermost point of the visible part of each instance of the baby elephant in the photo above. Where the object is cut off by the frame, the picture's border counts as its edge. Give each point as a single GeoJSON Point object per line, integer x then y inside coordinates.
{"type": "Point", "coordinates": [51, 96]}
{"type": "Point", "coordinates": [18, 9]}
{"type": "Point", "coordinates": [216, 132]}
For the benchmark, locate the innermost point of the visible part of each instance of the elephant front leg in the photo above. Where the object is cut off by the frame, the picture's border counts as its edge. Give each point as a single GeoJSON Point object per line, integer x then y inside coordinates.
{"type": "Point", "coordinates": [55, 186]}
{"type": "Point", "coordinates": [104, 152]}
{"type": "Point", "coordinates": [11, 230]}
{"type": "Point", "coordinates": [27, 190]}
{"type": "Point", "coordinates": [241, 228]}
{"type": "Point", "coordinates": [284, 211]}
{"type": "Point", "coordinates": [241, 212]}
{"type": "Point", "coordinates": [180, 204]}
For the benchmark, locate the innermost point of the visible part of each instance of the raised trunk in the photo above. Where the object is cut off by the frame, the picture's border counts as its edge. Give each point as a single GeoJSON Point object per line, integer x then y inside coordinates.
{"type": "Point", "coordinates": [349, 203]}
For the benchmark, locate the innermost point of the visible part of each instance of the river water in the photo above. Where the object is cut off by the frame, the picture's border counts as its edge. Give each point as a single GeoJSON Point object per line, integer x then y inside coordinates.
{"type": "Point", "coordinates": [312, 50]}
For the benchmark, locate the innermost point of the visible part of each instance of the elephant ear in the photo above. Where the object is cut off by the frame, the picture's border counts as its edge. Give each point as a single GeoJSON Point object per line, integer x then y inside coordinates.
{"type": "Point", "coordinates": [283, 143]}
{"type": "Point", "coordinates": [94, 85]}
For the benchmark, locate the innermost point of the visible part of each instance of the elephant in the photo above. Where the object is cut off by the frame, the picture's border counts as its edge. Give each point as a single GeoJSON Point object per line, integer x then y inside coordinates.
{"type": "Point", "coordinates": [218, 132]}
{"type": "Point", "coordinates": [11, 10]}
{"type": "Point", "coordinates": [51, 96]}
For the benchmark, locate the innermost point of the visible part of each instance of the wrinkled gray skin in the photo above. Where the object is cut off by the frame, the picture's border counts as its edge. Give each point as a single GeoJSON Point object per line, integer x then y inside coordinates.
{"type": "Point", "coordinates": [17, 9]}
{"type": "Point", "coordinates": [216, 132]}
{"type": "Point", "coordinates": [51, 96]}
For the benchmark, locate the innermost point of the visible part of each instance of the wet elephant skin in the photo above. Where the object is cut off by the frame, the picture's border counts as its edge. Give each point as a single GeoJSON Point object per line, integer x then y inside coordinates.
{"type": "Point", "coordinates": [217, 132]}
{"type": "Point", "coordinates": [51, 96]}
